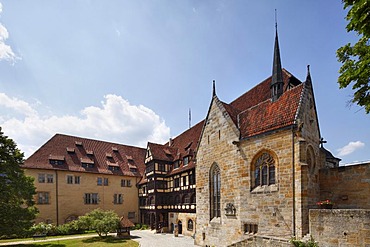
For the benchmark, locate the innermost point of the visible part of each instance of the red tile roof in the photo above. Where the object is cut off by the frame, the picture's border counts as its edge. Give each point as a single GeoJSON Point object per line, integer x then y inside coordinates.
{"type": "Point", "coordinates": [56, 148]}
{"type": "Point", "coordinates": [183, 145]}
{"type": "Point", "coordinates": [269, 115]}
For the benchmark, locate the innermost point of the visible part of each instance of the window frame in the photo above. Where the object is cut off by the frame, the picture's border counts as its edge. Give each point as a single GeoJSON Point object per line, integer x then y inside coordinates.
{"type": "Point", "coordinates": [215, 191]}
{"type": "Point", "coordinates": [91, 198]}
{"type": "Point", "coordinates": [43, 197]}
{"type": "Point", "coordinates": [263, 170]}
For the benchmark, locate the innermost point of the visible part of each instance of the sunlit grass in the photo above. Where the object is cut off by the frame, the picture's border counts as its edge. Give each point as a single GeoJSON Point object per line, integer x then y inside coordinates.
{"type": "Point", "coordinates": [90, 242]}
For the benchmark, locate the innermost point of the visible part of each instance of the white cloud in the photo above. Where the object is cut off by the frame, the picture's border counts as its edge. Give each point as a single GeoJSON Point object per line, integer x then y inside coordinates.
{"type": "Point", "coordinates": [6, 52]}
{"type": "Point", "coordinates": [116, 120]}
{"type": "Point", "coordinates": [18, 105]}
{"type": "Point", "coordinates": [350, 148]}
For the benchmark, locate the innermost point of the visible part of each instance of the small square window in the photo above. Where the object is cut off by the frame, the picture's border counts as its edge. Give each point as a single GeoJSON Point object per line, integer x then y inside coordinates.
{"type": "Point", "coordinates": [131, 215]}
{"type": "Point", "coordinates": [69, 179]}
{"type": "Point", "coordinates": [50, 178]}
{"type": "Point", "coordinates": [117, 198]}
{"type": "Point", "coordinates": [41, 178]}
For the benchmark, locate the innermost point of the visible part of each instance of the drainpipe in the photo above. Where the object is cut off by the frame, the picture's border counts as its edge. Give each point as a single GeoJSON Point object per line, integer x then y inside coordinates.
{"type": "Point", "coordinates": [293, 174]}
{"type": "Point", "coordinates": [56, 196]}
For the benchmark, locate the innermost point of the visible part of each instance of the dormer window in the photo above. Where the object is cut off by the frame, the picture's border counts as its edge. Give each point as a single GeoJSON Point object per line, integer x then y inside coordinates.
{"type": "Point", "coordinates": [176, 164]}
{"type": "Point", "coordinates": [109, 155]}
{"type": "Point", "coordinates": [56, 160]}
{"type": "Point", "coordinates": [87, 163]}
{"type": "Point", "coordinates": [186, 160]}
{"type": "Point", "coordinates": [70, 150]}
{"type": "Point", "coordinates": [133, 169]}
{"type": "Point", "coordinates": [78, 143]}
{"type": "Point", "coordinates": [89, 152]}
{"type": "Point", "coordinates": [112, 166]}
{"type": "Point", "coordinates": [114, 149]}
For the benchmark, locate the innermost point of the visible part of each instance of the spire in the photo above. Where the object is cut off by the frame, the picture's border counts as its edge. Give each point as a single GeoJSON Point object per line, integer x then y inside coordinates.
{"type": "Point", "coordinates": [214, 88]}
{"type": "Point", "coordinates": [277, 72]}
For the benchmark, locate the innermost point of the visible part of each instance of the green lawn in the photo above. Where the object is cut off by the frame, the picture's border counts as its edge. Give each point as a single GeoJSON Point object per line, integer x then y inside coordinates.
{"type": "Point", "coordinates": [90, 242]}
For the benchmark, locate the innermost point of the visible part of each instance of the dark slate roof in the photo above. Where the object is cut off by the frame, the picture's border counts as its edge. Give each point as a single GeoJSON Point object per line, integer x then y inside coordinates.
{"type": "Point", "coordinates": [76, 150]}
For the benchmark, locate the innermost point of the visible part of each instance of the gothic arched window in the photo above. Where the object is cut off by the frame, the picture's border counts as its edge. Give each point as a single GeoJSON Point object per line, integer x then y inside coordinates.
{"type": "Point", "coordinates": [263, 170]}
{"type": "Point", "coordinates": [310, 159]}
{"type": "Point", "coordinates": [190, 225]}
{"type": "Point", "coordinates": [215, 191]}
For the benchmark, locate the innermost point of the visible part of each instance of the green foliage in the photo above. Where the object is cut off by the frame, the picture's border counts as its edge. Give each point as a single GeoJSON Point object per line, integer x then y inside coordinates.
{"type": "Point", "coordinates": [17, 210]}
{"type": "Point", "coordinates": [51, 230]}
{"type": "Point", "coordinates": [299, 243]}
{"type": "Point", "coordinates": [101, 221]}
{"type": "Point", "coordinates": [139, 226]}
{"type": "Point", "coordinates": [355, 58]}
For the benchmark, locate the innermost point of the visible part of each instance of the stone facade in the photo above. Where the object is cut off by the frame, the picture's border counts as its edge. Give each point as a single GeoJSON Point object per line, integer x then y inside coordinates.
{"type": "Point", "coordinates": [354, 227]}
{"type": "Point", "coordinates": [280, 209]}
{"type": "Point", "coordinates": [346, 186]}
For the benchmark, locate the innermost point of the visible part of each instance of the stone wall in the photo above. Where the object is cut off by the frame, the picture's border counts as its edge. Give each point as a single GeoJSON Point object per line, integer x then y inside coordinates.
{"type": "Point", "coordinates": [340, 227]}
{"type": "Point", "coordinates": [175, 217]}
{"type": "Point", "coordinates": [347, 186]}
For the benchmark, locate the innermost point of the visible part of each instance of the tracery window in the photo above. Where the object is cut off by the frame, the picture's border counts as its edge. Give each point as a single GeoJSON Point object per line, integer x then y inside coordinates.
{"type": "Point", "coordinates": [264, 170]}
{"type": "Point", "coordinates": [215, 191]}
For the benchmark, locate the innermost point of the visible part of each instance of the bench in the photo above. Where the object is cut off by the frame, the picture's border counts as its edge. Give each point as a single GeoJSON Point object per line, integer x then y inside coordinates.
{"type": "Point", "coordinates": [39, 236]}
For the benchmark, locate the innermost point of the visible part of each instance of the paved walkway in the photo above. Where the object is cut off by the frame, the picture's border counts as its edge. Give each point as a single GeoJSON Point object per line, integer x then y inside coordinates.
{"type": "Point", "coordinates": [147, 238]}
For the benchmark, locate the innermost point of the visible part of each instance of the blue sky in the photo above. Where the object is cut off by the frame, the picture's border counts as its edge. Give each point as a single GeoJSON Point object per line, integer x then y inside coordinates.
{"type": "Point", "coordinates": [128, 71]}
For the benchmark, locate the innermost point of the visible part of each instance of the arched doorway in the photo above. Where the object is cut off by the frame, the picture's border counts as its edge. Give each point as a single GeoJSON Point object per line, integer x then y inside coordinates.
{"type": "Point", "coordinates": [180, 226]}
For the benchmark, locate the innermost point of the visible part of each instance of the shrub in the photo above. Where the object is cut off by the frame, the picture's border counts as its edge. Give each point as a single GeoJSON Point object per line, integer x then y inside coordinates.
{"type": "Point", "coordinates": [299, 243]}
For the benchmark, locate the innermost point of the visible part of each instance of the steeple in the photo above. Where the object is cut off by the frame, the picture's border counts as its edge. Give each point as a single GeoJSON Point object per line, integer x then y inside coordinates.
{"type": "Point", "coordinates": [277, 82]}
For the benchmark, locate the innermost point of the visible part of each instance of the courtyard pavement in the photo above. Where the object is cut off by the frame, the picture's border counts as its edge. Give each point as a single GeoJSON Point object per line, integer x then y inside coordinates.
{"type": "Point", "coordinates": [147, 238]}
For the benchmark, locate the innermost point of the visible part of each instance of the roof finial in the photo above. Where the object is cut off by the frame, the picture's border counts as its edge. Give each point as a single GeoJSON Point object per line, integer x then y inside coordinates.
{"type": "Point", "coordinates": [308, 77]}
{"type": "Point", "coordinates": [276, 20]}
{"type": "Point", "coordinates": [214, 88]}
{"type": "Point", "coordinates": [277, 82]}
{"type": "Point", "coordinates": [189, 118]}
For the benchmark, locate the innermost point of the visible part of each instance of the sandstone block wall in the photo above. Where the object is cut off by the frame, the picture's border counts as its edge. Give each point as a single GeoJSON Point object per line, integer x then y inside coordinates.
{"type": "Point", "coordinates": [347, 186]}
{"type": "Point", "coordinates": [340, 227]}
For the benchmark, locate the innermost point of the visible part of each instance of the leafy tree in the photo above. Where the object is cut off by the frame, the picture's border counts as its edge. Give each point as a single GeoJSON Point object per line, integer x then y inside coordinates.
{"type": "Point", "coordinates": [17, 210]}
{"type": "Point", "coordinates": [101, 221]}
{"type": "Point", "coordinates": [355, 58]}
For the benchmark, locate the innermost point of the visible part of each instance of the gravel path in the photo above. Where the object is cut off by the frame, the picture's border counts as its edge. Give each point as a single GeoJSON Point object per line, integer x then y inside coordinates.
{"type": "Point", "coordinates": [147, 238]}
